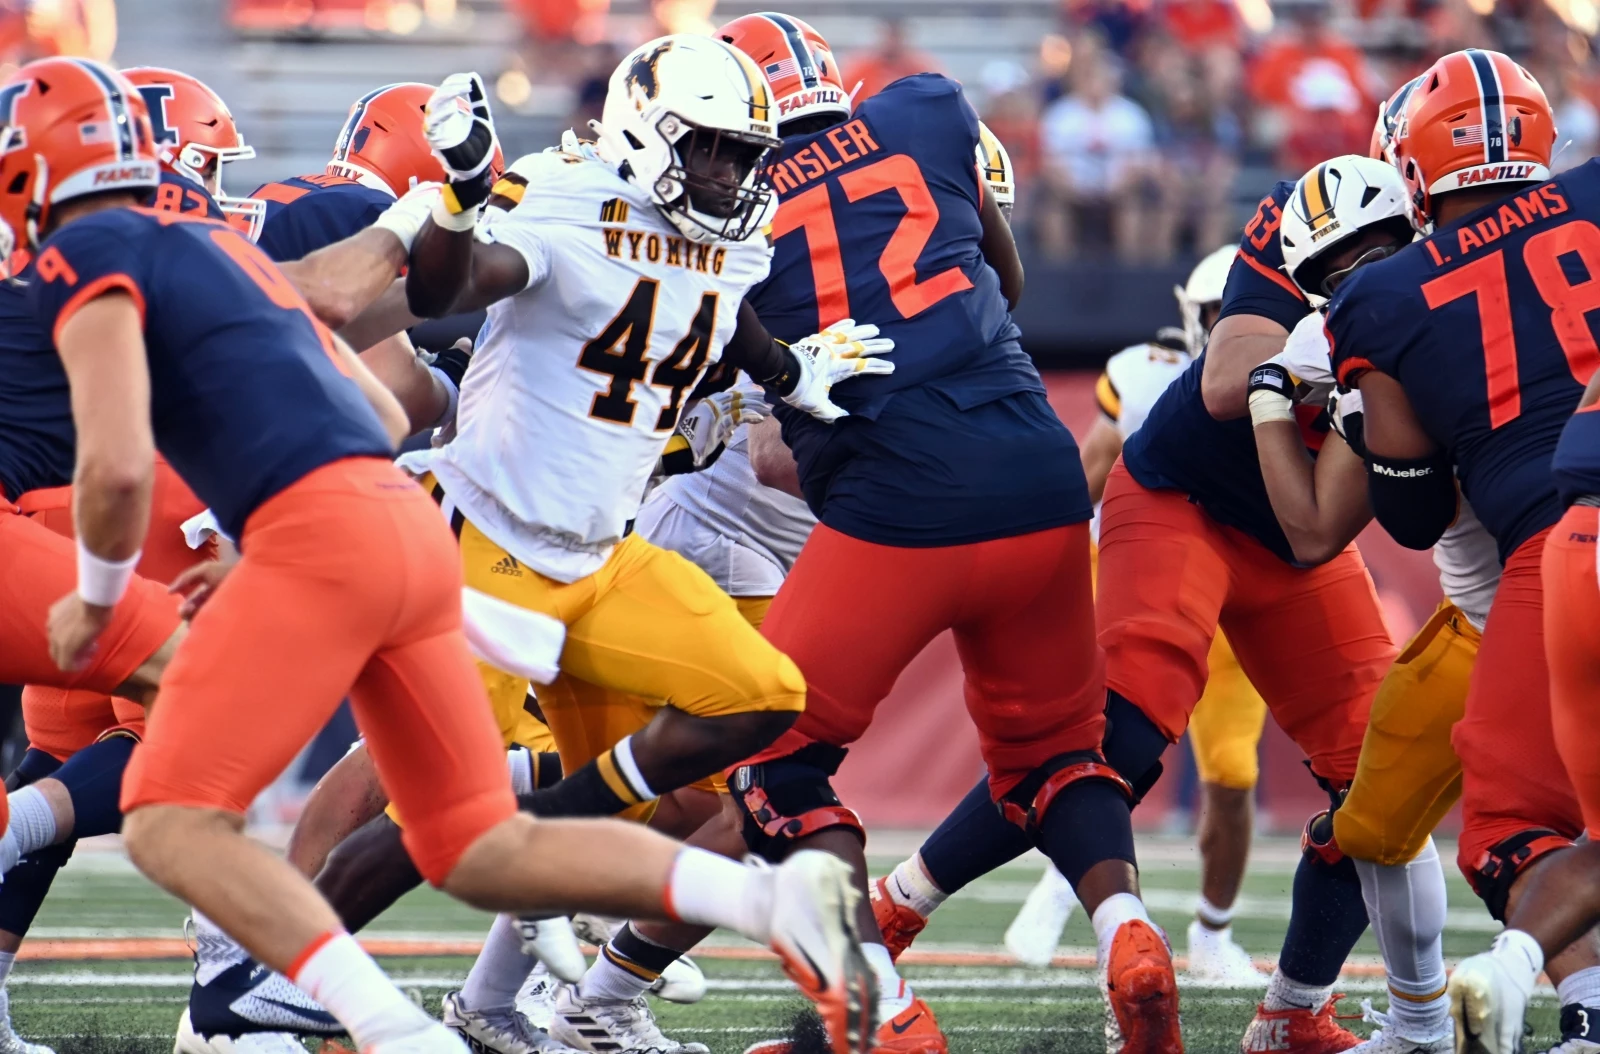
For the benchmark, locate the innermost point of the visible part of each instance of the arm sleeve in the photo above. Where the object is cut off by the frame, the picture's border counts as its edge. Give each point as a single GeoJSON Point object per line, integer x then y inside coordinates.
{"type": "Point", "coordinates": [80, 262]}
{"type": "Point", "coordinates": [1257, 284]}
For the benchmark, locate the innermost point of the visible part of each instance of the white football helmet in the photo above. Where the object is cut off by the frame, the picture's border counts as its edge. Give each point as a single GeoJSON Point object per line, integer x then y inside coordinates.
{"type": "Point", "coordinates": [1203, 289]}
{"type": "Point", "coordinates": [689, 120]}
{"type": "Point", "coordinates": [1337, 200]}
{"type": "Point", "coordinates": [994, 165]}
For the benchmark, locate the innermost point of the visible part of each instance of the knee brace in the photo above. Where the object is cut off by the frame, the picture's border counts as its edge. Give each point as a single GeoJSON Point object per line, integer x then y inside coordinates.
{"type": "Point", "coordinates": [1133, 745]}
{"type": "Point", "coordinates": [1496, 870]}
{"type": "Point", "coordinates": [790, 798]}
{"type": "Point", "coordinates": [1026, 804]}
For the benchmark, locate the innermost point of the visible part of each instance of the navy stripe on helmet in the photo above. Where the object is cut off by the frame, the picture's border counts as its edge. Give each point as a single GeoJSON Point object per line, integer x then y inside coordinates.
{"type": "Point", "coordinates": [341, 146]}
{"type": "Point", "coordinates": [1494, 105]}
{"type": "Point", "coordinates": [117, 103]}
{"type": "Point", "coordinates": [803, 58]}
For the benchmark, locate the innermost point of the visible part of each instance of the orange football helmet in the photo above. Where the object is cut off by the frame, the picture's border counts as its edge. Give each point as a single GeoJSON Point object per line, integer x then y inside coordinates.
{"type": "Point", "coordinates": [195, 136]}
{"type": "Point", "coordinates": [799, 65]}
{"type": "Point", "coordinates": [1474, 119]}
{"type": "Point", "coordinates": [1382, 146]}
{"type": "Point", "coordinates": [381, 143]}
{"type": "Point", "coordinates": [68, 127]}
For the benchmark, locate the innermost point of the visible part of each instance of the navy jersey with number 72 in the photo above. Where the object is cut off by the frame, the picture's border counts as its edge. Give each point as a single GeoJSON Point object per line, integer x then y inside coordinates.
{"type": "Point", "coordinates": [1490, 326]}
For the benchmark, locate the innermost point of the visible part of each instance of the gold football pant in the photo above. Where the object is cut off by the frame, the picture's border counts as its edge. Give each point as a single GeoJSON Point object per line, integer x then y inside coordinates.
{"type": "Point", "coordinates": [1225, 728]}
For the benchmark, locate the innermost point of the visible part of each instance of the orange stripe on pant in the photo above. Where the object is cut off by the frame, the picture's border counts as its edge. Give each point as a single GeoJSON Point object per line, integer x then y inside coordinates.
{"type": "Point", "coordinates": [1311, 640]}
{"type": "Point", "coordinates": [350, 584]}
{"type": "Point", "coordinates": [1512, 778]}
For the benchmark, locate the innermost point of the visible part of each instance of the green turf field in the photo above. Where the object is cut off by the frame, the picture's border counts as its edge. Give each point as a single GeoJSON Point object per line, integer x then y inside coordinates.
{"type": "Point", "coordinates": [113, 1006]}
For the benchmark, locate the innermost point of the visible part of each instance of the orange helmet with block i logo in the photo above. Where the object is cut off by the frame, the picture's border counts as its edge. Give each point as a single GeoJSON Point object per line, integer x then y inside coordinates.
{"type": "Point", "coordinates": [381, 144]}
{"type": "Point", "coordinates": [1474, 119]}
{"type": "Point", "coordinates": [798, 63]}
{"type": "Point", "coordinates": [68, 127]}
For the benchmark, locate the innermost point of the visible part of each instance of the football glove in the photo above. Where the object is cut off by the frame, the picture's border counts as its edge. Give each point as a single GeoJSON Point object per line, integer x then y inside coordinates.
{"type": "Point", "coordinates": [460, 130]}
{"type": "Point", "coordinates": [841, 351]}
{"type": "Point", "coordinates": [710, 423]}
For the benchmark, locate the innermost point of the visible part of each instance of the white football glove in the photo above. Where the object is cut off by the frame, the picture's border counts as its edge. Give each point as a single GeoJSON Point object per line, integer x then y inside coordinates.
{"type": "Point", "coordinates": [710, 422]}
{"type": "Point", "coordinates": [405, 217]}
{"type": "Point", "coordinates": [841, 351]}
{"type": "Point", "coordinates": [460, 130]}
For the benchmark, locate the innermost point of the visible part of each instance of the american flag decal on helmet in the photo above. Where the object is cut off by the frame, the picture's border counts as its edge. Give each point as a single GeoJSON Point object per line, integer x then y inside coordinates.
{"type": "Point", "coordinates": [1467, 135]}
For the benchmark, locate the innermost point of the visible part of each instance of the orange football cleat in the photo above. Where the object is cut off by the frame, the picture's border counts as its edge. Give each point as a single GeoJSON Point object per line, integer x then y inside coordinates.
{"type": "Point", "coordinates": [912, 1031]}
{"type": "Point", "coordinates": [1142, 993]}
{"type": "Point", "coordinates": [1298, 1031]}
{"type": "Point", "coordinates": [899, 924]}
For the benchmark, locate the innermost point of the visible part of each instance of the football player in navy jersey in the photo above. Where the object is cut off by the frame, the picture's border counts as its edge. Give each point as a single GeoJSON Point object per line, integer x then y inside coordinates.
{"type": "Point", "coordinates": [1471, 349]}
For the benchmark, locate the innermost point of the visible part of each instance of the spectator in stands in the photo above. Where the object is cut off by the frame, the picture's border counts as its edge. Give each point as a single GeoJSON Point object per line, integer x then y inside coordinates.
{"type": "Point", "coordinates": [1198, 26]}
{"type": "Point", "coordinates": [36, 29]}
{"type": "Point", "coordinates": [1199, 142]}
{"type": "Point", "coordinates": [1100, 181]}
{"type": "Point", "coordinates": [1307, 67]}
{"type": "Point", "coordinates": [893, 58]}
{"type": "Point", "coordinates": [1119, 23]}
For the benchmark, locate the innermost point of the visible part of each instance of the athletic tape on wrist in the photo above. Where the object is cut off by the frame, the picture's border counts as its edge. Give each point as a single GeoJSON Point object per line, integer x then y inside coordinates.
{"type": "Point", "coordinates": [102, 582]}
{"type": "Point", "coordinates": [459, 222]}
{"type": "Point", "coordinates": [1267, 406]}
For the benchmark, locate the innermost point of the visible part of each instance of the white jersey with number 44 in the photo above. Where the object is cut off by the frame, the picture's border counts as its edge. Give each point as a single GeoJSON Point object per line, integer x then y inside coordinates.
{"type": "Point", "coordinates": [578, 380]}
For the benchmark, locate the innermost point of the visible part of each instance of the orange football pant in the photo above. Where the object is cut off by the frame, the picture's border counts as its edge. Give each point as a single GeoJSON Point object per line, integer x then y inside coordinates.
{"type": "Point", "coordinates": [61, 722]}
{"type": "Point", "coordinates": [853, 614]}
{"type": "Point", "coordinates": [350, 585]}
{"type": "Point", "coordinates": [1311, 640]}
{"type": "Point", "coordinates": [1572, 645]}
{"type": "Point", "coordinates": [1512, 778]}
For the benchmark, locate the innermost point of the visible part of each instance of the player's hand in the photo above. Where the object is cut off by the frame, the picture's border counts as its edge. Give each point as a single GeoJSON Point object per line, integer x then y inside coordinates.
{"type": "Point", "coordinates": [1271, 394]}
{"type": "Point", "coordinates": [841, 351]}
{"type": "Point", "coordinates": [75, 628]}
{"type": "Point", "coordinates": [404, 219]}
{"type": "Point", "coordinates": [460, 130]}
{"type": "Point", "coordinates": [710, 422]}
{"type": "Point", "coordinates": [198, 583]}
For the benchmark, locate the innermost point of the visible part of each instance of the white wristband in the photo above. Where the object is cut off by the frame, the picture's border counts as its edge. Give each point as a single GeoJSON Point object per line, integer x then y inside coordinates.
{"type": "Point", "coordinates": [459, 222]}
{"type": "Point", "coordinates": [454, 393]}
{"type": "Point", "coordinates": [102, 582]}
{"type": "Point", "coordinates": [1267, 406]}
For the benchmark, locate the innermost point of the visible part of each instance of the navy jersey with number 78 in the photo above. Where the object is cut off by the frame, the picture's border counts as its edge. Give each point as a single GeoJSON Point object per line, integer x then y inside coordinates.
{"type": "Point", "coordinates": [1489, 325]}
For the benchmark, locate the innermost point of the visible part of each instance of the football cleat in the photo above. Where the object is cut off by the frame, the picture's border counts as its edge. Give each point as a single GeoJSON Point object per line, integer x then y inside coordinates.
{"type": "Point", "coordinates": [1580, 1030]}
{"type": "Point", "coordinates": [1033, 935]}
{"type": "Point", "coordinates": [1487, 1005]}
{"type": "Point", "coordinates": [1387, 1040]}
{"type": "Point", "coordinates": [553, 943]}
{"type": "Point", "coordinates": [898, 923]}
{"type": "Point", "coordinates": [189, 1041]}
{"type": "Point", "coordinates": [1298, 1030]}
{"type": "Point", "coordinates": [248, 997]}
{"type": "Point", "coordinates": [435, 1038]}
{"type": "Point", "coordinates": [1141, 993]}
{"type": "Point", "coordinates": [1215, 958]}
{"type": "Point", "coordinates": [536, 1000]}
{"type": "Point", "coordinates": [595, 929]}
{"type": "Point", "coordinates": [499, 1030]}
{"type": "Point", "coordinates": [912, 1031]}
{"type": "Point", "coordinates": [813, 931]}
{"type": "Point", "coordinates": [612, 1027]}
{"type": "Point", "coordinates": [681, 982]}
{"type": "Point", "coordinates": [10, 1042]}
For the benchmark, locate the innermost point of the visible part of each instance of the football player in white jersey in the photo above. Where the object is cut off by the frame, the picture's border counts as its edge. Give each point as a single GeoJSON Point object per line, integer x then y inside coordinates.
{"type": "Point", "coordinates": [614, 276]}
{"type": "Point", "coordinates": [1408, 776]}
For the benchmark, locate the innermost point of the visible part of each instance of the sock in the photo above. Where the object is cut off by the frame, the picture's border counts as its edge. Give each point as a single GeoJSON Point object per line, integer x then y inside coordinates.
{"type": "Point", "coordinates": [215, 951]}
{"type": "Point", "coordinates": [894, 995]}
{"type": "Point", "coordinates": [909, 884]}
{"type": "Point", "coordinates": [336, 972]}
{"type": "Point", "coordinates": [972, 841]}
{"type": "Point", "coordinates": [1109, 917]}
{"type": "Point", "coordinates": [33, 826]}
{"type": "Point", "coordinates": [28, 883]}
{"type": "Point", "coordinates": [604, 787]}
{"type": "Point", "coordinates": [1406, 904]}
{"type": "Point", "coordinates": [627, 966]}
{"type": "Point", "coordinates": [499, 969]}
{"type": "Point", "coordinates": [1088, 823]}
{"type": "Point", "coordinates": [711, 890]}
{"type": "Point", "coordinates": [1327, 915]}
{"type": "Point", "coordinates": [1284, 994]}
{"type": "Point", "coordinates": [1581, 988]}
{"type": "Point", "coordinates": [1212, 917]}
{"type": "Point", "coordinates": [7, 961]}
{"type": "Point", "coordinates": [520, 764]}
{"type": "Point", "coordinates": [93, 778]}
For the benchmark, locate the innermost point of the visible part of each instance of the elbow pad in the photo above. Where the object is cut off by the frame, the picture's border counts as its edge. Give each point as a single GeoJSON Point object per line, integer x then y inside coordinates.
{"type": "Point", "coordinates": [1414, 499]}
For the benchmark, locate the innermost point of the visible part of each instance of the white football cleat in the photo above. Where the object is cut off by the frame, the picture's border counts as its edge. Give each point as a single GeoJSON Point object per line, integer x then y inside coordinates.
{"type": "Point", "coordinates": [432, 1039]}
{"type": "Point", "coordinates": [612, 1027]}
{"type": "Point", "coordinates": [595, 929]}
{"type": "Point", "coordinates": [681, 982]}
{"type": "Point", "coordinates": [1215, 958]}
{"type": "Point", "coordinates": [499, 1030]}
{"type": "Point", "coordinates": [536, 999]}
{"type": "Point", "coordinates": [813, 930]}
{"type": "Point", "coordinates": [553, 942]}
{"type": "Point", "coordinates": [1386, 1040]}
{"type": "Point", "coordinates": [1033, 935]}
{"type": "Point", "coordinates": [189, 1041]}
{"type": "Point", "coordinates": [11, 1043]}
{"type": "Point", "coordinates": [1487, 1003]}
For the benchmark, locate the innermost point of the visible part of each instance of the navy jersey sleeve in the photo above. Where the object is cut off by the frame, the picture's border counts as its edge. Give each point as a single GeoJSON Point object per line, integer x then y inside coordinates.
{"type": "Point", "coordinates": [81, 261]}
{"type": "Point", "coordinates": [1257, 284]}
{"type": "Point", "coordinates": [1363, 327]}
{"type": "Point", "coordinates": [319, 218]}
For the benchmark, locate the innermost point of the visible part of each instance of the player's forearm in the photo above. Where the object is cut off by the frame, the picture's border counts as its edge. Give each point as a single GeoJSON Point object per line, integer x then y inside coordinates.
{"type": "Point", "coordinates": [440, 272]}
{"type": "Point", "coordinates": [420, 392]}
{"type": "Point", "coordinates": [1237, 345]}
{"type": "Point", "coordinates": [771, 459]}
{"type": "Point", "coordinates": [755, 351]}
{"type": "Point", "coordinates": [111, 505]}
{"type": "Point", "coordinates": [1099, 452]}
{"type": "Point", "coordinates": [1317, 529]}
{"type": "Point", "coordinates": [383, 318]}
{"type": "Point", "coordinates": [341, 280]}
{"type": "Point", "coordinates": [396, 424]}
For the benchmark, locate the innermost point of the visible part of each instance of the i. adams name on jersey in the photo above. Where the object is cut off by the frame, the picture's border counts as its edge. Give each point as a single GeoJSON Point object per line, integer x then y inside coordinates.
{"type": "Point", "coordinates": [578, 381]}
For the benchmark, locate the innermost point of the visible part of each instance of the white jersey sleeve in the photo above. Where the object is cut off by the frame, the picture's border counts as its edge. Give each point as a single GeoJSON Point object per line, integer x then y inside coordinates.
{"type": "Point", "coordinates": [578, 381]}
{"type": "Point", "coordinates": [1469, 566]}
{"type": "Point", "coordinates": [1134, 379]}
{"type": "Point", "coordinates": [498, 227]}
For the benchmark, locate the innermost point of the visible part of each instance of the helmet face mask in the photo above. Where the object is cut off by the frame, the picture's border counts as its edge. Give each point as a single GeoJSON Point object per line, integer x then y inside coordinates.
{"type": "Point", "coordinates": [714, 169]}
